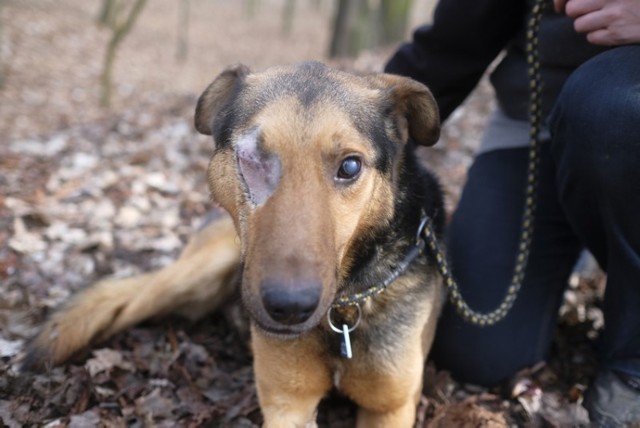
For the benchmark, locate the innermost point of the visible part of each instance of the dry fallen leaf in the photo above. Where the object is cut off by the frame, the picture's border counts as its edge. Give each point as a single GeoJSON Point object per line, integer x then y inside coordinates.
{"type": "Point", "coordinates": [106, 359]}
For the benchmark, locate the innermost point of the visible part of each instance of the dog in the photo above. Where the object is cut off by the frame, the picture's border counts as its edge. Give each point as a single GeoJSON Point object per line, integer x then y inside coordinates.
{"type": "Point", "coordinates": [326, 200]}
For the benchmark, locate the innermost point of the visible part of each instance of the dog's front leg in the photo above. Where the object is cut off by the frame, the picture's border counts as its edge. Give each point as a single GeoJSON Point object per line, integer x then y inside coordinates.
{"type": "Point", "coordinates": [387, 387]}
{"type": "Point", "coordinates": [403, 416]}
{"type": "Point", "coordinates": [292, 376]}
{"type": "Point", "coordinates": [387, 400]}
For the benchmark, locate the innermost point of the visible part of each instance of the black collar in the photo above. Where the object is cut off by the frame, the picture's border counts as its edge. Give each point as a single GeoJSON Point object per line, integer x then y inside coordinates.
{"type": "Point", "coordinates": [344, 300]}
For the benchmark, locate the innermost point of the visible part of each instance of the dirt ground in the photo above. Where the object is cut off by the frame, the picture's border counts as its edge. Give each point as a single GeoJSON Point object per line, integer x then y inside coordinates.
{"type": "Point", "coordinates": [89, 192]}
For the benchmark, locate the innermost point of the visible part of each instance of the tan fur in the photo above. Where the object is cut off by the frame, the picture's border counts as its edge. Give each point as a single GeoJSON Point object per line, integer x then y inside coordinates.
{"type": "Point", "coordinates": [307, 228]}
{"type": "Point", "coordinates": [327, 213]}
{"type": "Point", "coordinates": [201, 278]}
{"type": "Point", "coordinates": [291, 378]}
{"type": "Point", "coordinates": [389, 391]}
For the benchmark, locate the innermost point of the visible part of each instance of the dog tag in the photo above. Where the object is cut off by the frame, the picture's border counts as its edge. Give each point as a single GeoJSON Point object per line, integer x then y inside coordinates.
{"type": "Point", "coordinates": [345, 346]}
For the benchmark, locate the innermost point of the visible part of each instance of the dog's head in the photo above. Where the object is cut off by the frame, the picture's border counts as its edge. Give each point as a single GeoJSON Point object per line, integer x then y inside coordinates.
{"type": "Point", "coordinates": [305, 160]}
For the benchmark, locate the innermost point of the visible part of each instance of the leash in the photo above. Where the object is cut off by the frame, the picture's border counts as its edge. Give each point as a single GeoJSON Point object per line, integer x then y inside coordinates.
{"type": "Point", "coordinates": [524, 247]}
{"type": "Point", "coordinates": [426, 233]}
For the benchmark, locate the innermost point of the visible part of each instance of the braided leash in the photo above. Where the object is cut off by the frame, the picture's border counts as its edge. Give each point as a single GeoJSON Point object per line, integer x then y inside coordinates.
{"type": "Point", "coordinates": [535, 118]}
{"type": "Point", "coordinates": [426, 230]}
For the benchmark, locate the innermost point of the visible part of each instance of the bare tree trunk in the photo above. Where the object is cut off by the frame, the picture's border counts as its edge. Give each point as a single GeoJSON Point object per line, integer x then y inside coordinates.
{"type": "Point", "coordinates": [394, 16]}
{"type": "Point", "coordinates": [362, 24]}
{"type": "Point", "coordinates": [287, 17]}
{"type": "Point", "coordinates": [317, 5]}
{"type": "Point", "coordinates": [2, 67]}
{"type": "Point", "coordinates": [106, 76]}
{"type": "Point", "coordinates": [182, 46]}
{"type": "Point", "coordinates": [343, 27]}
{"type": "Point", "coordinates": [120, 28]}
{"type": "Point", "coordinates": [107, 12]}
{"type": "Point", "coordinates": [251, 7]}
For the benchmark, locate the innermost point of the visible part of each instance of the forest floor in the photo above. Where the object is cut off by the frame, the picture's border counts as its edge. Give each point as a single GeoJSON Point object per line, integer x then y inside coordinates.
{"type": "Point", "coordinates": [89, 192]}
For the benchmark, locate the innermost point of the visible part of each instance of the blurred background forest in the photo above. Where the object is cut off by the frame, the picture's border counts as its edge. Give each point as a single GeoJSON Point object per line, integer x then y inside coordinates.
{"type": "Point", "coordinates": [63, 61]}
{"type": "Point", "coordinates": [102, 173]}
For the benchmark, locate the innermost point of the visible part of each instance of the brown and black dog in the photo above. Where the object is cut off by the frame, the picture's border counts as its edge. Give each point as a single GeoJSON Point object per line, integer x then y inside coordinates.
{"type": "Point", "coordinates": [317, 170]}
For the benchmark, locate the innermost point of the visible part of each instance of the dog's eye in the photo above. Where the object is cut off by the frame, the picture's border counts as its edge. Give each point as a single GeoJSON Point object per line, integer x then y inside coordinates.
{"type": "Point", "coordinates": [349, 168]}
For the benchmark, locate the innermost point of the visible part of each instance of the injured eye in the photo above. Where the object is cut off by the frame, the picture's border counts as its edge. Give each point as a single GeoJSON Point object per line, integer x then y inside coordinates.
{"type": "Point", "coordinates": [349, 168]}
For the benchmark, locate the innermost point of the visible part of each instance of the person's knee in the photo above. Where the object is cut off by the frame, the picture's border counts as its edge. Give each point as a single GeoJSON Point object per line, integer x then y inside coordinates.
{"type": "Point", "coordinates": [600, 99]}
{"type": "Point", "coordinates": [594, 124]}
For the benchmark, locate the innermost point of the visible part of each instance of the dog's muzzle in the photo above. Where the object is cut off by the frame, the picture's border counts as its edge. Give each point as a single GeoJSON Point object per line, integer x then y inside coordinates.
{"type": "Point", "coordinates": [290, 305]}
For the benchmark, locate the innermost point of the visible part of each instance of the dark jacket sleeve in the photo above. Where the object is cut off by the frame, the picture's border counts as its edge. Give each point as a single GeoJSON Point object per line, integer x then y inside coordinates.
{"type": "Point", "coordinates": [451, 55]}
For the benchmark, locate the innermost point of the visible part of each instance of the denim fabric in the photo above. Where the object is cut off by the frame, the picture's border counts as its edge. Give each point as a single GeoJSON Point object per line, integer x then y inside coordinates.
{"type": "Point", "coordinates": [596, 147]}
{"type": "Point", "coordinates": [589, 195]}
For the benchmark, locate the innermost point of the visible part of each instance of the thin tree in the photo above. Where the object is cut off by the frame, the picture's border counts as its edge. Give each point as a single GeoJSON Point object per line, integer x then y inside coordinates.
{"type": "Point", "coordinates": [288, 13]}
{"type": "Point", "coordinates": [251, 7]}
{"type": "Point", "coordinates": [182, 45]}
{"type": "Point", "coordinates": [120, 26]}
{"type": "Point", "coordinates": [394, 17]}
{"type": "Point", "coordinates": [361, 24]}
{"type": "Point", "coordinates": [2, 67]}
{"type": "Point", "coordinates": [107, 12]}
{"type": "Point", "coordinates": [343, 28]}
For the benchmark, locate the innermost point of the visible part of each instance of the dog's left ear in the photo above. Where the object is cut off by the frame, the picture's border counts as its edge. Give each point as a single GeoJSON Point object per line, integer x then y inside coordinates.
{"type": "Point", "coordinates": [216, 96]}
{"type": "Point", "coordinates": [414, 103]}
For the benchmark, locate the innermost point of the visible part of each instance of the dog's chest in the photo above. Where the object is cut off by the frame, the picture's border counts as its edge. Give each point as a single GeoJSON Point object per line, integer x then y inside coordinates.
{"type": "Point", "coordinates": [376, 346]}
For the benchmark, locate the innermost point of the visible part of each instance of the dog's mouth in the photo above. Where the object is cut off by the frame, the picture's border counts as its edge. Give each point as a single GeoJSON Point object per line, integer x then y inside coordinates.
{"type": "Point", "coordinates": [282, 331]}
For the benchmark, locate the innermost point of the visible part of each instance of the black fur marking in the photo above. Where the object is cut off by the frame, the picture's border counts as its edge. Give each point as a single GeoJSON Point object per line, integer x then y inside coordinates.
{"type": "Point", "coordinates": [379, 252]}
{"type": "Point", "coordinates": [227, 120]}
{"type": "Point", "coordinates": [310, 83]}
{"type": "Point", "coordinates": [417, 190]}
{"type": "Point", "coordinates": [373, 128]}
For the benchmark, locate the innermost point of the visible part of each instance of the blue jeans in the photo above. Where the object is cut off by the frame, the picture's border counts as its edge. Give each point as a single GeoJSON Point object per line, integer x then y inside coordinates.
{"type": "Point", "coordinates": [589, 196]}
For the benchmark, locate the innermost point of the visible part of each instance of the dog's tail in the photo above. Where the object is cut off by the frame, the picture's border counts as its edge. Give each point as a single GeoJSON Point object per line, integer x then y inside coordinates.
{"type": "Point", "coordinates": [200, 280]}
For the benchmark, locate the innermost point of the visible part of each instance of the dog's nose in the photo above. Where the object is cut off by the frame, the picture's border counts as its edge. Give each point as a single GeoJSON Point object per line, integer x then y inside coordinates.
{"type": "Point", "coordinates": [290, 305]}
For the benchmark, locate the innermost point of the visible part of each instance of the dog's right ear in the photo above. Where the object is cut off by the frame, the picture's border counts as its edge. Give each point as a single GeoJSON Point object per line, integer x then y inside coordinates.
{"type": "Point", "coordinates": [217, 95]}
{"type": "Point", "coordinates": [414, 103]}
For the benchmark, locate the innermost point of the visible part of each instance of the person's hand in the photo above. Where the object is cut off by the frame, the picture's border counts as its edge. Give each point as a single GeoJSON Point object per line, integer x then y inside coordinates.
{"type": "Point", "coordinates": [605, 22]}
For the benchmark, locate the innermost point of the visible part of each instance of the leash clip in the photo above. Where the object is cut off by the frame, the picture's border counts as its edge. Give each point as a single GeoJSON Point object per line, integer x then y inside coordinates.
{"type": "Point", "coordinates": [345, 345]}
{"type": "Point", "coordinates": [423, 223]}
